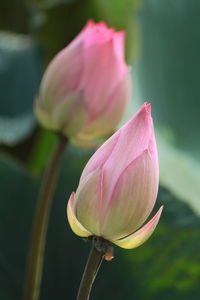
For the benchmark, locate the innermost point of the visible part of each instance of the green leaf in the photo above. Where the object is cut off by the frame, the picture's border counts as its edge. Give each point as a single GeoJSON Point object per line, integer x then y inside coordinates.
{"type": "Point", "coordinates": [169, 68]}
{"type": "Point", "coordinates": [179, 173]}
{"type": "Point", "coordinates": [17, 197]}
{"type": "Point", "coordinates": [176, 238]}
{"type": "Point", "coordinates": [167, 265]}
{"type": "Point", "coordinates": [13, 130]}
{"type": "Point", "coordinates": [19, 76]}
{"type": "Point", "coordinates": [167, 76]}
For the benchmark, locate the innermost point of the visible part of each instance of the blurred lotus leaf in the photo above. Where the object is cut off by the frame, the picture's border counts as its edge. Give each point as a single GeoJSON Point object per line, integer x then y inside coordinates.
{"type": "Point", "coordinates": [143, 273]}
{"type": "Point", "coordinates": [167, 75]}
{"type": "Point", "coordinates": [19, 76]}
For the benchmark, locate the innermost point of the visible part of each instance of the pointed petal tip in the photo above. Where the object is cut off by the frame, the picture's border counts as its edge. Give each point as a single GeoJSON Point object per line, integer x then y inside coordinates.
{"type": "Point", "coordinates": [147, 107]}
{"type": "Point", "coordinates": [75, 225]}
{"type": "Point", "coordinates": [90, 23]}
{"type": "Point", "coordinates": [144, 113]}
{"type": "Point", "coordinates": [140, 236]}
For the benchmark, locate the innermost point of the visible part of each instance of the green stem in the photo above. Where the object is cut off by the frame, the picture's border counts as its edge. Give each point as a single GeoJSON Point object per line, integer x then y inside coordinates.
{"type": "Point", "coordinates": [40, 224]}
{"type": "Point", "coordinates": [94, 261]}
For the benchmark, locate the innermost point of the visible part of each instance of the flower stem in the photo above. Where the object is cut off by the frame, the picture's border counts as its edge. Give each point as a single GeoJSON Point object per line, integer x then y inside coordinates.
{"type": "Point", "coordinates": [35, 260]}
{"type": "Point", "coordinates": [92, 266]}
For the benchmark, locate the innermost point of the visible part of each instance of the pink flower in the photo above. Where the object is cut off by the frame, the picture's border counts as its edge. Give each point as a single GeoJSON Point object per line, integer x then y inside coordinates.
{"type": "Point", "coordinates": [85, 88]}
{"type": "Point", "coordinates": [118, 187]}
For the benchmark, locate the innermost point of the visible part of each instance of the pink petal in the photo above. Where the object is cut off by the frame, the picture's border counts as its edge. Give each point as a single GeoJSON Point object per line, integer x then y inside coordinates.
{"type": "Point", "coordinates": [108, 119]}
{"type": "Point", "coordinates": [62, 76]}
{"type": "Point", "coordinates": [101, 61]}
{"type": "Point", "coordinates": [139, 237]}
{"type": "Point", "coordinates": [87, 205]}
{"type": "Point", "coordinates": [134, 139]}
{"type": "Point", "coordinates": [125, 145]}
{"type": "Point", "coordinates": [103, 26]}
{"type": "Point", "coordinates": [98, 35]}
{"type": "Point", "coordinates": [132, 199]}
{"type": "Point", "coordinates": [119, 47]}
{"type": "Point", "coordinates": [100, 156]}
{"type": "Point", "coordinates": [75, 225]}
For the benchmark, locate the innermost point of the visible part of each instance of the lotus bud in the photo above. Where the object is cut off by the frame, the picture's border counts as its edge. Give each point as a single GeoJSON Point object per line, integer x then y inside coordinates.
{"type": "Point", "coordinates": [85, 89]}
{"type": "Point", "coordinates": [118, 187]}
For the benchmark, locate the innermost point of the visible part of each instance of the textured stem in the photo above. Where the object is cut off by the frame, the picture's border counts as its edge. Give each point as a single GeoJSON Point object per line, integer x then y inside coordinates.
{"type": "Point", "coordinates": [40, 224]}
{"type": "Point", "coordinates": [94, 261]}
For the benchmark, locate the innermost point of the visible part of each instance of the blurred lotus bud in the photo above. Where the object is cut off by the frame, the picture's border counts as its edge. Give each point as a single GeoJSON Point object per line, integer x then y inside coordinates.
{"type": "Point", "coordinates": [118, 187]}
{"type": "Point", "coordinates": [85, 88]}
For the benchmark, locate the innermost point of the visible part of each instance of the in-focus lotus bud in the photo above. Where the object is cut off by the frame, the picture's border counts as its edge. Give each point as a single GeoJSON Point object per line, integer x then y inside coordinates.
{"type": "Point", "coordinates": [119, 185]}
{"type": "Point", "coordinates": [85, 88]}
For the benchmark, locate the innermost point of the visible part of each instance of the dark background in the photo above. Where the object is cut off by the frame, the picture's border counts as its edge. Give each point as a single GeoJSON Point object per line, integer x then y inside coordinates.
{"type": "Point", "coordinates": [163, 46]}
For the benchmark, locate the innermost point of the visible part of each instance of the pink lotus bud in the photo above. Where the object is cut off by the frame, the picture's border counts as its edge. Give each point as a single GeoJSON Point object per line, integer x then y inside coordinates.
{"type": "Point", "coordinates": [119, 185]}
{"type": "Point", "coordinates": [85, 88]}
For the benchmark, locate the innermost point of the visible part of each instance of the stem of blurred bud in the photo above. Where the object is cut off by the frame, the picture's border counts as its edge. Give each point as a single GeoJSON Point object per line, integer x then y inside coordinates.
{"type": "Point", "coordinates": [101, 249]}
{"type": "Point", "coordinates": [35, 260]}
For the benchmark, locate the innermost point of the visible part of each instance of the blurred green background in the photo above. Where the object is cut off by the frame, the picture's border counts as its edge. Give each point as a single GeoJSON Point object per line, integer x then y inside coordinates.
{"type": "Point", "coordinates": [163, 46]}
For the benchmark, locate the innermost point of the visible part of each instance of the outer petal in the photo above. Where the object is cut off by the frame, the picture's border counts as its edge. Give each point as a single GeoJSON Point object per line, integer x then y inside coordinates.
{"type": "Point", "coordinates": [63, 74]}
{"type": "Point", "coordinates": [107, 120]}
{"type": "Point", "coordinates": [101, 155]}
{"type": "Point", "coordinates": [125, 145]}
{"type": "Point", "coordinates": [101, 61]}
{"type": "Point", "coordinates": [119, 47]}
{"type": "Point", "coordinates": [76, 227]}
{"type": "Point", "coordinates": [135, 137]}
{"type": "Point", "coordinates": [139, 237]}
{"type": "Point", "coordinates": [132, 199]}
{"type": "Point", "coordinates": [99, 32]}
{"type": "Point", "coordinates": [61, 77]}
{"type": "Point", "coordinates": [87, 203]}
{"type": "Point", "coordinates": [43, 115]}
{"type": "Point", "coordinates": [69, 116]}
